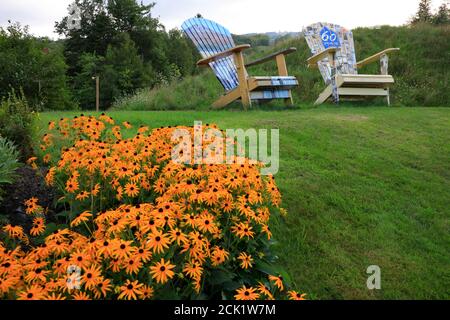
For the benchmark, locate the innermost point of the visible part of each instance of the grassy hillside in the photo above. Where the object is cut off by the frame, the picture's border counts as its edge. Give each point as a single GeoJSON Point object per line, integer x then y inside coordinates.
{"type": "Point", "coordinates": [422, 71]}
{"type": "Point", "coordinates": [363, 186]}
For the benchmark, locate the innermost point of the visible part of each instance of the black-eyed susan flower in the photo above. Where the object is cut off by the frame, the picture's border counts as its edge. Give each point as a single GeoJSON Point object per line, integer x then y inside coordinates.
{"type": "Point", "coordinates": [245, 293]}
{"type": "Point", "coordinates": [278, 281]}
{"type": "Point", "coordinates": [246, 260]}
{"type": "Point", "coordinates": [294, 295]}
{"type": "Point", "coordinates": [130, 290]}
{"type": "Point", "coordinates": [162, 271]}
{"type": "Point", "coordinates": [38, 227]}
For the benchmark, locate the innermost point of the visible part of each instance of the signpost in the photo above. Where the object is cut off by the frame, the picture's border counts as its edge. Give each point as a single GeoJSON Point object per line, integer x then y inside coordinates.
{"type": "Point", "coordinates": [97, 92]}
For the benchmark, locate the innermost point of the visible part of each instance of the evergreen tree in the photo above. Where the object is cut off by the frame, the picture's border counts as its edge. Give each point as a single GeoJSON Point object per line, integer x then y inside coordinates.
{"type": "Point", "coordinates": [442, 17]}
{"type": "Point", "coordinates": [424, 14]}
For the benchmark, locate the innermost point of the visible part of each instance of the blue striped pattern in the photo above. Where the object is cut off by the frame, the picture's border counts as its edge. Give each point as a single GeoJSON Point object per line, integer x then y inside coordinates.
{"type": "Point", "coordinates": [270, 94]}
{"type": "Point", "coordinates": [211, 38]}
{"type": "Point", "coordinates": [284, 81]}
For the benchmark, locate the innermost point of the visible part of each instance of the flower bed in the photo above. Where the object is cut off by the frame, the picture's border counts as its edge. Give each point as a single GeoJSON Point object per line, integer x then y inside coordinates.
{"type": "Point", "coordinates": [139, 226]}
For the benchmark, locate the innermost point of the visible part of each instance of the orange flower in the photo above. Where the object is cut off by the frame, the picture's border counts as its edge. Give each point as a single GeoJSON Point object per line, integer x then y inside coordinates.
{"type": "Point", "coordinates": [245, 293]}
{"type": "Point", "coordinates": [158, 241]}
{"type": "Point", "coordinates": [131, 190]}
{"type": "Point", "coordinates": [294, 295]}
{"type": "Point", "coordinates": [127, 125]}
{"type": "Point", "coordinates": [54, 297]}
{"type": "Point", "coordinates": [264, 290]}
{"type": "Point", "coordinates": [82, 218]}
{"type": "Point", "coordinates": [92, 277]}
{"type": "Point", "coordinates": [147, 293]}
{"type": "Point", "coordinates": [278, 281]}
{"type": "Point", "coordinates": [34, 292]}
{"type": "Point", "coordinates": [81, 296]}
{"type": "Point", "coordinates": [32, 206]}
{"type": "Point", "coordinates": [102, 289]}
{"type": "Point", "coordinates": [130, 290]}
{"type": "Point", "coordinates": [243, 230]}
{"type": "Point", "coordinates": [193, 270]}
{"type": "Point", "coordinates": [72, 185]}
{"type": "Point", "coordinates": [83, 195]}
{"type": "Point", "coordinates": [14, 232]}
{"type": "Point", "coordinates": [177, 236]}
{"type": "Point", "coordinates": [162, 271]}
{"type": "Point", "coordinates": [133, 265]}
{"type": "Point", "coordinates": [246, 260]}
{"type": "Point", "coordinates": [37, 275]}
{"type": "Point", "coordinates": [38, 227]}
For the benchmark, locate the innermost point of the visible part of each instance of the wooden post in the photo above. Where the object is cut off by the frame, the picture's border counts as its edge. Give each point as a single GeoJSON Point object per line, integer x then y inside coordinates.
{"type": "Point", "coordinates": [242, 77]}
{"type": "Point", "coordinates": [283, 72]}
{"type": "Point", "coordinates": [281, 64]}
{"type": "Point", "coordinates": [97, 93]}
{"type": "Point", "coordinates": [332, 61]}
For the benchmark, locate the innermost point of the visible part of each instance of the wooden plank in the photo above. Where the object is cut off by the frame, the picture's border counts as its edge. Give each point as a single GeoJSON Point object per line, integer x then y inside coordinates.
{"type": "Point", "coordinates": [271, 57]}
{"type": "Point", "coordinates": [324, 95]}
{"type": "Point", "coordinates": [366, 78]}
{"type": "Point", "coordinates": [228, 98]}
{"type": "Point", "coordinates": [376, 57]}
{"type": "Point", "coordinates": [281, 65]}
{"type": "Point", "coordinates": [223, 54]}
{"type": "Point", "coordinates": [312, 62]}
{"type": "Point", "coordinates": [242, 76]}
{"type": "Point", "coordinates": [362, 92]}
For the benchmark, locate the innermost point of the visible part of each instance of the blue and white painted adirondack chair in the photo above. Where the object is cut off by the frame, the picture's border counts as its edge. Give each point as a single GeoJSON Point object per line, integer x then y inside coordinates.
{"type": "Point", "coordinates": [219, 51]}
{"type": "Point", "coordinates": [333, 52]}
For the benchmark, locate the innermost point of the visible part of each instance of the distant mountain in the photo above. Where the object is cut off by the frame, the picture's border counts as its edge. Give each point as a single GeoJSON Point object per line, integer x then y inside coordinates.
{"type": "Point", "coordinates": [264, 39]}
{"type": "Point", "coordinates": [273, 36]}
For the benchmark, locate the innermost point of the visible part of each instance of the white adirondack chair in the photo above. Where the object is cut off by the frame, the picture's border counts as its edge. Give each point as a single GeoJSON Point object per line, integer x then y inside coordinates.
{"type": "Point", "coordinates": [334, 55]}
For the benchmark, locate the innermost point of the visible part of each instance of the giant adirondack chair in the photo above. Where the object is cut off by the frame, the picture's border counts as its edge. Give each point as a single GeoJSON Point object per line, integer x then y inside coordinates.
{"type": "Point", "coordinates": [219, 52]}
{"type": "Point", "coordinates": [333, 52]}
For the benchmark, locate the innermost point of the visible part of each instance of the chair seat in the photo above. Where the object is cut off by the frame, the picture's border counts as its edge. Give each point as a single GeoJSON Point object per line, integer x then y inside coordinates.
{"type": "Point", "coordinates": [364, 81]}
{"type": "Point", "coordinates": [272, 82]}
{"type": "Point", "coordinates": [270, 94]}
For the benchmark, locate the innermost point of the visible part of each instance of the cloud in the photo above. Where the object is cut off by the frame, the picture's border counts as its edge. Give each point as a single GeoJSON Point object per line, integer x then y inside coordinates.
{"type": "Point", "coordinates": [240, 16]}
{"type": "Point", "coordinates": [39, 15]}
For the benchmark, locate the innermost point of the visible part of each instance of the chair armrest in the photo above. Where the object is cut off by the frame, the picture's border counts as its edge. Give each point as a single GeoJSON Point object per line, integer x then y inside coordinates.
{"type": "Point", "coordinates": [223, 54]}
{"type": "Point", "coordinates": [376, 57]}
{"type": "Point", "coordinates": [271, 57]}
{"type": "Point", "coordinates": [312, 62]}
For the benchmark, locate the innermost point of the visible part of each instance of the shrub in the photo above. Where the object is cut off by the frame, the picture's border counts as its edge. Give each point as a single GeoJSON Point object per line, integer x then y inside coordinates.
{"type": "Point", "coordinates": [16, 123]}
{"type": "Point", "coordinates": [141, 226]}
{"type": "Point", "coordinates": [35, 65]}
{"type": "Point", "coordinates": [9, 163]}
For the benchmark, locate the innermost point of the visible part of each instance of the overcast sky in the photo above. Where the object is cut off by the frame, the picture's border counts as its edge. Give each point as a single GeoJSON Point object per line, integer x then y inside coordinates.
{"type": "Point", "coordinates": [240, 16]}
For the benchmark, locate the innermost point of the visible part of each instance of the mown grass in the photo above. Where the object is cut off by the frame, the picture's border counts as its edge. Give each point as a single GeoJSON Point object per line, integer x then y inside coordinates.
{"type": "Point", "coordinates": [363, 186]}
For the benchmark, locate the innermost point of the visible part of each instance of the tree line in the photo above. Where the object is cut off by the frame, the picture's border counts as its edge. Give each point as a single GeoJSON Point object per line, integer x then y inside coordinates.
{"type": "Point", "coordinates": [118, 40]}
{"type": "Point", "coordinates": [425, 14]}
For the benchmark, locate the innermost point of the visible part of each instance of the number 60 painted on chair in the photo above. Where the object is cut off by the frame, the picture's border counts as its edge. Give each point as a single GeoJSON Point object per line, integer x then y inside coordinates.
{"type": "Point", "coordinates": [329, 38]}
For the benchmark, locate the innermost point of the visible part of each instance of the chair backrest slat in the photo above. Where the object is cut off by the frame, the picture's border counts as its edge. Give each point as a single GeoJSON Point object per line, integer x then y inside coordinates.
{"type": "Point", "coordinates": [321, 36]}
{"type": "Point", "coordinates": [210, 38]}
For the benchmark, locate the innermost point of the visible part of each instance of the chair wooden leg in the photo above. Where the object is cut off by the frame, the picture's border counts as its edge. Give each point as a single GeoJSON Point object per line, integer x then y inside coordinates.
{"type": "Point", "coordinates": [324, 95]}
{"type": "Point", "coordinates": [226, 99]}
{"type": "Point", "coordinates": [242, 77]}
{"type": "Point", "coordinates": [289, 101]}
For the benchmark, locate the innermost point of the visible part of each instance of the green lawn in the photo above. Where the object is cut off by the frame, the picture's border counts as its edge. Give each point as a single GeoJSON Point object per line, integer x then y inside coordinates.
{"type": "Point", "coordinates": [363, 186]}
